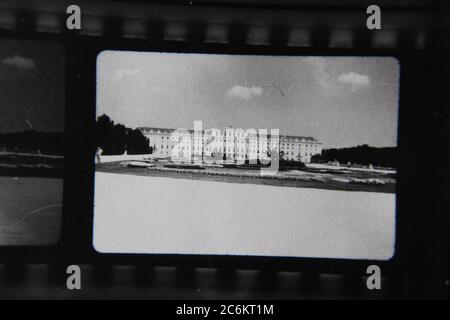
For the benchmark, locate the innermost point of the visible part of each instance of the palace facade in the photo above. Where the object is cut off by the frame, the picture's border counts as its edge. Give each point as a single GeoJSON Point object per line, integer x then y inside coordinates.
{"type": "Point", "coordinates": [235, 144]}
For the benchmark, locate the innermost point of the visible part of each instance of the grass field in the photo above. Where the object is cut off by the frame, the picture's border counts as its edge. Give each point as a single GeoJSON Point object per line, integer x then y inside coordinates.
{"type": "Point", "coordinates": [31, 165]}
{"type": "Point", "coordinates": [330, 179]}
{"type": "Point", "coordinates": [30, 210]}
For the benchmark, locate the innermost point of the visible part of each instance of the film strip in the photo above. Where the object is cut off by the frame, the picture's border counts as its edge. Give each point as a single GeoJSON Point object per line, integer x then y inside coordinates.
{"type": "Point", "coordinates": [302, 26]}
{"type": "Point", "coordinates": [415, 33]}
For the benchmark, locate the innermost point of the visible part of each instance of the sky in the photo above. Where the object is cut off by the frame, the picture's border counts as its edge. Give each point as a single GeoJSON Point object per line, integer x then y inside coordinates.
{"type": "Point", "coordinates": [341, 101]}
{"type": "Point", "coordinates": [32, 88]}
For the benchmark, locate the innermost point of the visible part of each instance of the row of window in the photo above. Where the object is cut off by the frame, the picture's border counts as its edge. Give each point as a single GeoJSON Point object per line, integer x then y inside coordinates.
{"type": "Point", "coordinates": [254, 144]}
{"type": "Point", "coordinates": [228, 139]}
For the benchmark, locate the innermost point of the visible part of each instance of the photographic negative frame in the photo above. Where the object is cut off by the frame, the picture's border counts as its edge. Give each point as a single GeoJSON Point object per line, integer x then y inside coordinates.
{"type": "Point", "coordinates": [414, 194]}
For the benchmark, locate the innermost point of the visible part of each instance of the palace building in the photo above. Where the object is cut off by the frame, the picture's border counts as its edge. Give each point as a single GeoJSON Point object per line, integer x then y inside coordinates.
{"type": "Point", "coordinates": [235, 144]}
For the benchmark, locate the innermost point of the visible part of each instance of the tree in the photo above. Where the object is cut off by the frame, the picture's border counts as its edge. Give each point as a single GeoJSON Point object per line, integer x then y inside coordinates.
{"type": "Point", "coordinates": [114, 139]}
{"type": "Point", "coordinates": [362, 155]}
{"type": "Point", "coordinates": [137, 143]}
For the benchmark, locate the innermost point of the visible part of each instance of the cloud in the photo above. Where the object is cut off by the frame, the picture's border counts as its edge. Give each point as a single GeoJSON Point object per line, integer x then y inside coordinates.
{"type": "Point", "coordinates": [125, 72]}
{"type": "Point", "coordinates": [354, 79]}
{"type": "Point", "coordinates": [241, 92]}
{"type": "Point", "coordinates": [18, 62]}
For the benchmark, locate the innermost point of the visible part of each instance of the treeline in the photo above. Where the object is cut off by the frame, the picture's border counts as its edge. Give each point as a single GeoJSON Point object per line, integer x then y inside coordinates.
{"type": "Point", "coordinates": [360, 155]}
{"type": "Point", "coordinates": [290, 165]}
{"type": "Point", "coordinates": [114, 139]}
{"type": "Point", "coordinates": [32, 141]}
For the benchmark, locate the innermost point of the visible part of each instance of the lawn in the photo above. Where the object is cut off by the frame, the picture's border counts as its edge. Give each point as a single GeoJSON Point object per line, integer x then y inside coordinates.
{"type": "Point", "coordinates": [344, 180]}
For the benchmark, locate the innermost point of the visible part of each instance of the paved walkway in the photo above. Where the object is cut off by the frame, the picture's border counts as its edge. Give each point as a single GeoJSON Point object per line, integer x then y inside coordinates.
{"type": "Point", "coordinates": [136, 214]}
{"type": "Point", "coordinates": [125, 157]}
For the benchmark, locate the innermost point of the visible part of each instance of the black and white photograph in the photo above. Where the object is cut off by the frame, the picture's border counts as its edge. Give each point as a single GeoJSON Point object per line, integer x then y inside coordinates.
{"type": "Point", "coordinates": [250, 155]}
{"type": "Point", "coordinates": [224, 157]}
{"type": "Point", "coordinates": [32, 94]}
